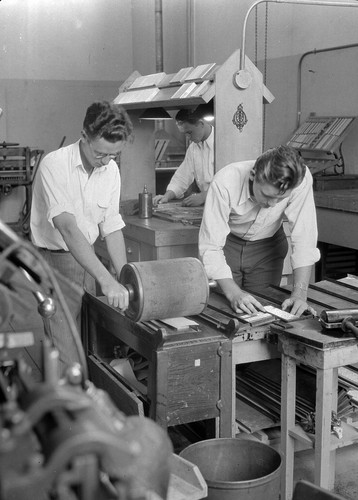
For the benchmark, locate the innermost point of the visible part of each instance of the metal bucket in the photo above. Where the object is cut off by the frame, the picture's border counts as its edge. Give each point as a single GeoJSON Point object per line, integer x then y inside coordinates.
{"type": "Point", "coordinates": [236, 469]}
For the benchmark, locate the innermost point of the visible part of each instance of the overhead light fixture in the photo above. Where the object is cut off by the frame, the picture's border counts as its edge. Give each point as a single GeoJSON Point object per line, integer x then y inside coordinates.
{"type": "Point", "coordinates": [155, 114]}
{"type": "Point", "coordinates": [207, 111]}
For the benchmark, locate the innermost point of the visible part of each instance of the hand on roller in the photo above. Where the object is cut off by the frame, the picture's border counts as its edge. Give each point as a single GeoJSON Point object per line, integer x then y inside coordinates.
{"type": "Point", "coordinates": [117, 294]}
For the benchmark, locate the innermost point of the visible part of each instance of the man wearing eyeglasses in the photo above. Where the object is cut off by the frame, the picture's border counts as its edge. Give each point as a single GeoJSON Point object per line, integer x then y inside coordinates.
{"type": "Point", "coordinates": [75, 199]}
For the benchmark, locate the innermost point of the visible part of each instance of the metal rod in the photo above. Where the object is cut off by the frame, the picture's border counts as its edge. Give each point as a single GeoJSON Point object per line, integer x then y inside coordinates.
{"type": "Point", "coordinates": [299, 2]}
{"type": "Point", "coordinates": [299, 83]}
{"type": "Point", "coordinates": [272, 397]}
{"type": "Point", "coordinates": [268, 382]}
{"type": "Point", "coordinates": [333, 294]}
{"type": "Point", "coordinates": [309, 299]}
{"type": "Point", "coordinates": [345, 285]}
{"type": "Point", "coordinates": [263, 409]}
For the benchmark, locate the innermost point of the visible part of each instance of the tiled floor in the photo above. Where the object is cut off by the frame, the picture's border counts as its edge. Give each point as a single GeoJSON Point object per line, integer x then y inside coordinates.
{"type": "Point", "coordinates": [346, 483]}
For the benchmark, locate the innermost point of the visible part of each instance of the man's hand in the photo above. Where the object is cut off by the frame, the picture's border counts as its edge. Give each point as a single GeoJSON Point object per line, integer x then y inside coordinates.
{"type": "Point", "coordinates": [159, 198]}
{"type": "Point", "coordinates": [295, 305]}
{"type": "Point", "coordinates": [194, 200]}
{"type": "Point", "coordinates": [163, 198]}
{"type": "Point", "coordinates": [240, 301]}
{"type": "Point", "coordinates": [246, 303]}
{"type": "Point", "coordinates": [117, 295]}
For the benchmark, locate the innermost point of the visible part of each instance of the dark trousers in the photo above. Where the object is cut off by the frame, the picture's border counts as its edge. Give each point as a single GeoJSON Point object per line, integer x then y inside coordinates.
{"type": "Point", "coordinates": [256, 264]}
{"type": "Point", "coordinates": [57, 327]}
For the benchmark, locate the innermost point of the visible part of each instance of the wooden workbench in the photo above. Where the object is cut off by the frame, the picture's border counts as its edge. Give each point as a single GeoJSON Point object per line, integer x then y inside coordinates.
{"type": "Point", "coordinates": [297, 348]}
{"type": "Point", "coordinates": [305, 342]}
{"type": "Point", "coordinates": [154, 238]}
{"type": "Point", "coordinates": [188, 373]}
{"type": "Point", "coordinates": [178, 361]}
{"type": "Point", "coordinates": [191, 375]}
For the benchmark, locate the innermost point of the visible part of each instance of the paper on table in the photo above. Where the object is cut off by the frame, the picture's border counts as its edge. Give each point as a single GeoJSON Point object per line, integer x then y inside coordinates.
{"type": "Point", "coordinates": [179, 323]}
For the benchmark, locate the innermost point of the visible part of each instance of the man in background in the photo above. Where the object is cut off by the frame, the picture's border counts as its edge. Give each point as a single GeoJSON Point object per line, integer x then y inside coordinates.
{"type": "Point", "coordinates": [75, 199]}
{"type": "Point", "coordinates": [198, 164]}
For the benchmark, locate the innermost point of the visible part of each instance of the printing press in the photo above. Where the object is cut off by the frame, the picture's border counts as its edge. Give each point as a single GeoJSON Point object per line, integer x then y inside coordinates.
{"type": "Point", "coordinates": [63, 438]}
{"type": "Point", "coordinates": [187, 375]}
{"type": "Point", "coordinates": [179, 374]}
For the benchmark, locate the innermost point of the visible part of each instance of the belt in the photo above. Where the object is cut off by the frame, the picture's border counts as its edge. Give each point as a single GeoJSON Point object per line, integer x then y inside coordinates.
{"type": "Point", "coordinates": [60, 250]}
{"type": "Point", "coordinates": [278, 233]}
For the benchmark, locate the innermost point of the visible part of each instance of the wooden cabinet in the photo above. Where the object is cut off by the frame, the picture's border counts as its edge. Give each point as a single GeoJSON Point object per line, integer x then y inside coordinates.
{"type": "Point", "coordinates": [187, 373]}
{"type": "Point", "coordinates": [154, 239]}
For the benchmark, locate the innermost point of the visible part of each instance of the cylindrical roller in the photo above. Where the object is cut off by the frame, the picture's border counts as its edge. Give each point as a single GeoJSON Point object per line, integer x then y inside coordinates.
{"type": "Point", "coordinates": [162, 289]}
{"type": "Point", "coordinates": [338, 315]}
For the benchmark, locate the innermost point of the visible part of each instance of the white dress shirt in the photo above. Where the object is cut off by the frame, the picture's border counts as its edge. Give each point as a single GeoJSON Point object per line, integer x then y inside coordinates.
{"type": "Point", "coordinates": [198, 165]}
{"type": "Point", "coordinates": [63, 185]}
{"type": "Point", "coordinates": [229, 208]}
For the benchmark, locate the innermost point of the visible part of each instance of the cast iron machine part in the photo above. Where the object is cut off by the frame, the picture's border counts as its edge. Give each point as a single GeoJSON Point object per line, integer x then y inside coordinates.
{"type": "Point", "coordinates": [63, 438]}
{"type": "Point", "coordinates": [63, 442]}
{"type": "Point", "coordinates": [345, 319]}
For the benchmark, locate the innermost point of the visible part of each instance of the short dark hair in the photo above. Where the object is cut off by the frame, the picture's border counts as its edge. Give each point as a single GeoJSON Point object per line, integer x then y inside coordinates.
{"type": "Point", "coordinates": [281, 167]}
{"type": "Point", "coordinates": [107, 120]}
{"type": "Point", "coordinates": [191, 115]}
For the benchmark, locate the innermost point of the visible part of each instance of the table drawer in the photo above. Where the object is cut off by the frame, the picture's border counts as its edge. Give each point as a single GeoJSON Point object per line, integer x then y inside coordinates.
{"type": "Point", "coordinates": [122, 397]}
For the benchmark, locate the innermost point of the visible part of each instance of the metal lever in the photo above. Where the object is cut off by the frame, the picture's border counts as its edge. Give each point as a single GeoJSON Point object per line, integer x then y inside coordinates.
{"type": "Point", "coordinates": [46, 305]}
{"type": "Point", "coordinates": [348, 325]}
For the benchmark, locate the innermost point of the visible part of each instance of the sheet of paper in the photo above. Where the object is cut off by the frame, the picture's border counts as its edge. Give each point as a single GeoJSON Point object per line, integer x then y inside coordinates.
{"type": "Point", "coordinates": [179, 323]}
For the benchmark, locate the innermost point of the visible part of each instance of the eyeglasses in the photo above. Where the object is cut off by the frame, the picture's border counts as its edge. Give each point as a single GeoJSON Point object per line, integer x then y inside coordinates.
{"type": "Point", "coordinates": [101, 156]}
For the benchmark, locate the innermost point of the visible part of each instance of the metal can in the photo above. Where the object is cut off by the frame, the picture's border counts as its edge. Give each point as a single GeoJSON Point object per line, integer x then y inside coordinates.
{"type": "Point", "coordinates": [145, 204]}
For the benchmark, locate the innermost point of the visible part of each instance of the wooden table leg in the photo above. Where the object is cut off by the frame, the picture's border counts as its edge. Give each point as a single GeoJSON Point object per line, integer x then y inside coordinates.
{"type": "Point", "coordinates": [158, 388]}
{"type": "Point", "coordinates": [226, 423]}
{"type": "Point", "coordinates": [326, 400]}
{"type": "Point", "coordinates": [288, 407]}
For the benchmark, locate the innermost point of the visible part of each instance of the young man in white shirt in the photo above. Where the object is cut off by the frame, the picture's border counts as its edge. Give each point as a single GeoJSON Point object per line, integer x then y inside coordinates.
{"type": "Point", "coordinates": [198, 164]}
{"type": "Point", "coordinates": [75, 199]}
{"type": "Point", "coordinates": [241, 241]}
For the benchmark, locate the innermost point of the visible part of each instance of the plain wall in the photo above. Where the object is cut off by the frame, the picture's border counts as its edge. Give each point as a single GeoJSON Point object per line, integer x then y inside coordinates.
{"type": "Point", "coordinates": [58, 56]}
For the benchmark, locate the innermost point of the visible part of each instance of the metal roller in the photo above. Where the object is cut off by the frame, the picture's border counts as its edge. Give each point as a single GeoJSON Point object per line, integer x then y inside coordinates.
{"type": "Point", "coordinates": [162, 289]}
{"type": "Point", "coordinates": [338, 315]}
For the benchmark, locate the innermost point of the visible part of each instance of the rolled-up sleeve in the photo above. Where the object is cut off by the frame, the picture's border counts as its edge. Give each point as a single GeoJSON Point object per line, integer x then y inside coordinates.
{"type": "Point", "coordinates": [301, 215]}
{"type": "Point", "coordinates": [213, 232]}
{"type": "Point", "coordinates": [184, 175]}
{"type": "Point", "coordinates": [55, 192]}
{"type": "Point", "coordinates": [111, 225]}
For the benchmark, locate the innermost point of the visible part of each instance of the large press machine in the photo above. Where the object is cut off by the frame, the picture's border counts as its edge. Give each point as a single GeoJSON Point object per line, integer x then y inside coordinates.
{"type": "Point", "coordinates": [187, 369]}
{"type": "Point", "coordinates": [64, 438]}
